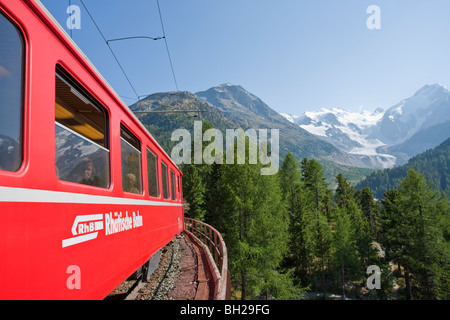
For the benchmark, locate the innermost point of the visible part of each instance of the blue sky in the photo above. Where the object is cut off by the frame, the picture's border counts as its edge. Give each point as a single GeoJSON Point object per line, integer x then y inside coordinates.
{"type": "Point", "coordinates": [296, 55]}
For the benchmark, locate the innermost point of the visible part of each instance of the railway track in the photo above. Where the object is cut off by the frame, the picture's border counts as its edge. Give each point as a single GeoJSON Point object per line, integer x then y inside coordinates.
{"type": "Point", "coordinates": [193, 266]}
{"type": "Point", "coordinates": [175, 278]}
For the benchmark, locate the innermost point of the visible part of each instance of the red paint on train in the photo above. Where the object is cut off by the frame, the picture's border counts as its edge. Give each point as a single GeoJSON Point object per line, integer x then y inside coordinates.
{"type": "Point", "coordinates": [50, 222]}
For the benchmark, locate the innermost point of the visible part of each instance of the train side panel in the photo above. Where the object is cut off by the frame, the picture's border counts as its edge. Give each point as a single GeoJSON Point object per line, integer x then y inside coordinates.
{"type": "Point", "coordinates": [45, 260]}
{"type": "Point", "coordinates": [63, 240]}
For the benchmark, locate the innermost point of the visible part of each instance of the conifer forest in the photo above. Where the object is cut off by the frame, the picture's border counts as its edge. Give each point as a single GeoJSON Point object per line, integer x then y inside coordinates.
{"type": "Point", "coordinates": [292, 236]}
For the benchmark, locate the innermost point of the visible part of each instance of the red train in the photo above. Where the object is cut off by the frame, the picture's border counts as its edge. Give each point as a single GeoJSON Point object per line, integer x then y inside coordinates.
{"type": "Point", "coordinates": [86, 194]}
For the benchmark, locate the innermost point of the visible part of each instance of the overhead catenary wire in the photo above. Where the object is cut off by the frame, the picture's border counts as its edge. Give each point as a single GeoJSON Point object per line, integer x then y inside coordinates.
{"type": "Point", "coordinates": [171, 111]}
{"type": "Point", "coordinates": [114, 55]}
{"type": "Point", "coordinates": [70, 30]}
{"type": "Point", "coordinates": [136, 37]}
{"type": "Point", "coordinates": [167, 46]}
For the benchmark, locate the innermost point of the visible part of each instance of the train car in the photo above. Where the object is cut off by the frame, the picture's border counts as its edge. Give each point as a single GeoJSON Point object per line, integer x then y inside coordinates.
{"type": "Point", "coordinates": [87, 196]}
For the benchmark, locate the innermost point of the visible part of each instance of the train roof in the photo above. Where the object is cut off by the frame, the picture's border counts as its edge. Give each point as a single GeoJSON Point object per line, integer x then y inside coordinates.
{"type": "Point", "coordinates": [77, 50]}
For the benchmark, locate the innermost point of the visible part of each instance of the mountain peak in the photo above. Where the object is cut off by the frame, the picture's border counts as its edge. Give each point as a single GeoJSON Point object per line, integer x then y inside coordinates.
{"type": "Point", "coordinates": [229, 87]}
{"type": "Point", "coordinates": [385, 137]}
{"type": "Point", "coordinates": [430, 89]}
{"type": "Point", "coordinates": [234, 98]}
{"type": "Point", "coordinates": [163, 99]}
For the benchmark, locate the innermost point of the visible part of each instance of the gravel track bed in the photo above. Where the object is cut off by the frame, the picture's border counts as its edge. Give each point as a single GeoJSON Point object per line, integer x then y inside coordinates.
{"type": "Point", "coordinates": [165, 276]}
{"type": "Point", "coordinates": [174, 279]}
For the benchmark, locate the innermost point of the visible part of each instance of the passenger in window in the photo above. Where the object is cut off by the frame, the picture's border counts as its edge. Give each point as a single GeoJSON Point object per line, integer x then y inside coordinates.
{"type": "Point", "coordinates": [130, 183]}
{"type": "Point", "coordinates": [84, 173]}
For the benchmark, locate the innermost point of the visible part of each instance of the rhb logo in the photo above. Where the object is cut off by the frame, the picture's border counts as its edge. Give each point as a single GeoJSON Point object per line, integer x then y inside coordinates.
{"type": "Point", "coordinates": [86, 227]}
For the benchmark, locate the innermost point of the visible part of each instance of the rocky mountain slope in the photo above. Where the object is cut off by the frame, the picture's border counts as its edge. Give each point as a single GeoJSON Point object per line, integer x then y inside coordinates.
{"type": "Point", "coordinates": [248, 111]}
{"type": "Point", "coordinates": [231, 107]}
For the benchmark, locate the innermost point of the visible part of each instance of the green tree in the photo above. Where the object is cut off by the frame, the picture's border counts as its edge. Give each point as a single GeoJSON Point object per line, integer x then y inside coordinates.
{"type": "Point", "coordinates": [345, 258]}
{"type": "Point", "coordinates": [215, 197]}
{"type": "Point", "coordinates": [415, 219]}
{"type": "Point", "coordinates": [314, 181]}
{"type": "Point", "coordinates": [350, 241]}
{"type": "Point", "coordinates": [426, 212]}
{"type": "Point", "coordinates": [255, 228]}
{"type": "Point", "coordinates": [194, 192]}
{"type": "Point", "coordinates": [396, 234]}
{"type": "Point", "coordinates": [290, 185]}
{"type": "Point", "coordinates": [301, 253]}
{"type": "Point", "coordinates": [289, 180]}
{"type": "Point", "coordinates": [316, 228]}
{"type": "Point", "coordinates": [370, 210]}
{"type": "Point", "coordinates": [195, 182]}
{"type": "Point", "coordinates": [344, 192]}
{"type": "Point", "coordinates": [354, 245]}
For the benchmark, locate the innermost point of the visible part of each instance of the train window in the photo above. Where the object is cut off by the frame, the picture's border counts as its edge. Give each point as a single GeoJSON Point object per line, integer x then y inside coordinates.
{"type": "Point", "coordinates": [11, 95]}
{"type": "Point", "coordinates": [82, 154]}
{"type": "Point", "coordinates": [165, 182]}
{"type": "Point", "coordinates": [152, 168]}
{"type": "Point", "coordinates": [131, 162]}
{"type": "Point", "coordinates": [178, 186]}
{"type": "Point", "coordinates": [172, 184]}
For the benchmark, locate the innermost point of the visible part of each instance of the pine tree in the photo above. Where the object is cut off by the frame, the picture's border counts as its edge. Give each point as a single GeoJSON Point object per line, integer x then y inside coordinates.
{"type": "Point", "coordinates": [367, 252]}
{"type": "Point", "coordinates": [289, 180]}
{"type": "Point", "coordinates": [345, 257]}
{"type": "Point", "coordinates": [215, 197]}
{"type": "Point", "coordinates": [370, 210]}
{"type": "Point", "coordinates": [301, 235]}
{"type": "Point", "coordinates": [270, 234]}
{"type": "Point", "coordinates": [350, 241]}
{"type": "Point", "coordinates": [353, 242]}
{"type": "Point", "coordinates": [415, 218]}
{"type": "Point", "coordinates": [194, 192]}
{"type": "Point", "coordinates": [290, 184]}
{"type": "Point", "coordinates": [395, 235]}
{"type": "Point", "coordinates": [255, 228]}
{"type": "Point", "coordinates": [425, 212]}
{"type": "Point", "coordinates": [344, 191]}
{"type": "Point", "coordinates": [316, 228]}
{"type": "Point", "coordinates": [314, 181]}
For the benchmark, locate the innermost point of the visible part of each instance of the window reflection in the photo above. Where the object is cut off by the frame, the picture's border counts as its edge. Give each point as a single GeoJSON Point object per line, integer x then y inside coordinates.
{"type": "Point", "coordinates": [11, 95]}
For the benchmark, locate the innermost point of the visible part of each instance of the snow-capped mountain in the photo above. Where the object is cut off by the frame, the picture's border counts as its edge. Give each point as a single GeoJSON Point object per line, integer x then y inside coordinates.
{"type": "Point", "coordinates": [427, 107]}
{"type": "Point", "coordinates": [382, 138]}
{"type": "Point", "coordinates": [348, 131]}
